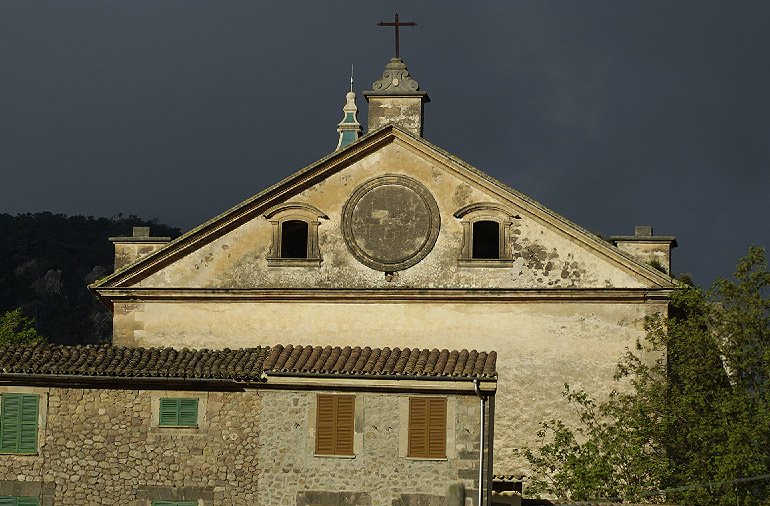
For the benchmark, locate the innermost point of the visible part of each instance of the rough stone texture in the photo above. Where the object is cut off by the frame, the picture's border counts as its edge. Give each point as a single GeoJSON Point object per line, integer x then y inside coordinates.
{"type": "Point", "coordinates": [99, 447]}
{"type": "Point", "coordinates": [290, 471]}
{"type": "Point", "coordinates": [406, 112]}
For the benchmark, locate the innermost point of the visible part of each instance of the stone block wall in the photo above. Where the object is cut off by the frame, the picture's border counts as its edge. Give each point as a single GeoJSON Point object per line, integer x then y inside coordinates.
{"type": "Point", "coordinates": [103, 447]}
{"type": "Point", "coordinates": [99, 447]}
{"type": "Point", "coordinates": [380, 474]}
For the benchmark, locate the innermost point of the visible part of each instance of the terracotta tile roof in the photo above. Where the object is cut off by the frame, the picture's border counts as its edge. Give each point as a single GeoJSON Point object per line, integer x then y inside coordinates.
{"type": "Point", "coordinates": [375, 361]}
{"type": "Point", "coordinates": [242, 364]}
{"type": "Point", "coordinates": [107, 360]}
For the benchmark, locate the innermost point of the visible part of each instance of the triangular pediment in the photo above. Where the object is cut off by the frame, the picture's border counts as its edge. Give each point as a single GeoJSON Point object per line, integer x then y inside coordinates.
{"type": "Point", "coordinates": [385, 173]}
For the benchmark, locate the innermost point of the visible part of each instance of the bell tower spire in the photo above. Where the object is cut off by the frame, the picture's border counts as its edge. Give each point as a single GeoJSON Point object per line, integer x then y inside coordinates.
{"type": "Point", "coordinates": [349, 128]}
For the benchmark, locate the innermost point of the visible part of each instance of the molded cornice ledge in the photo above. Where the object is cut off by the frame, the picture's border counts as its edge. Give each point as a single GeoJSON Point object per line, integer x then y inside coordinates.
{"type": "Point", "coordinates": [383, 295]}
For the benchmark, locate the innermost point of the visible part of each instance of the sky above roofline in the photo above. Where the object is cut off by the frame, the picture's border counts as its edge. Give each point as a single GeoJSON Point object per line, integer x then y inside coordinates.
{"type": "Point", "coordinates": [611, 114]}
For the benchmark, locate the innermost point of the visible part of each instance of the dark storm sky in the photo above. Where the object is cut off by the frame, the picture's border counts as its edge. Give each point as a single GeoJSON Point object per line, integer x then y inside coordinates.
{"type": "Point", "coordinates": [613, 113]}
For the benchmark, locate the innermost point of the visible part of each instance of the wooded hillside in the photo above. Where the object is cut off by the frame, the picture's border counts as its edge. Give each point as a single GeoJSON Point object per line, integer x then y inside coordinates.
{"type": "Point", "coordinates": [46, 263]}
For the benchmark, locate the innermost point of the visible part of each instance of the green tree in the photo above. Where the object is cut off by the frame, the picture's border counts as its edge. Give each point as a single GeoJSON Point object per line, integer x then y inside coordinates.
{"type": "Point", "coordinates": [15, 328]}
{"type": "Point", "coordinates": [692, 407]}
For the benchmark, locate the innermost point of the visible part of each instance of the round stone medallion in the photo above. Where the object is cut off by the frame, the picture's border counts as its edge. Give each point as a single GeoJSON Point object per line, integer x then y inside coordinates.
{"type": "Point", "coordinates": [390, 222]}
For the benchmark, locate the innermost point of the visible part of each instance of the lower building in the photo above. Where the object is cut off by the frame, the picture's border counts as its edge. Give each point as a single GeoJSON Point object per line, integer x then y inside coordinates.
{"type": "Point", "coordinates": [293, 425]}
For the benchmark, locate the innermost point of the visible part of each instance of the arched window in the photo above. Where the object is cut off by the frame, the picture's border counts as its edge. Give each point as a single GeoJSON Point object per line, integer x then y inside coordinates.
{"type": "Point", "coordinates": [486, 235]}
{"type": "Point", "coordinates": [294, 239]}
{"type": "Point", "coordinates": [486, 239]}
{"type": "Point", "coordinates": [295, 235]}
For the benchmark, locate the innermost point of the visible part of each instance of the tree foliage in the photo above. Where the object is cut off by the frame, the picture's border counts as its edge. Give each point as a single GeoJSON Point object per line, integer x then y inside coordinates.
{"type": "Point", "coordinates": [15, 328]}
{"type": "Point", "coordinates": [692, 407]}
{"type": "Point", "coordinates": [46, 263]}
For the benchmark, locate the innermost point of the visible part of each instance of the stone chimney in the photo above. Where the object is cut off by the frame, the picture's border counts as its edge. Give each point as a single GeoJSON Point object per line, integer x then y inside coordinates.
{"type": "Point", "coordinates": [647, 248]}
{"type": "Point", "coordinates": [130, 249]}
{"type": "Point", "coordinates": [396, 99]}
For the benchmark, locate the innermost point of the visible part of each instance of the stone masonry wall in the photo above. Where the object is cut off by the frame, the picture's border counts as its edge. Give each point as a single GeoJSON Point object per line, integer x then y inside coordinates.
{"type": "Point", "coordinates": [103, 447]}
{"type": "Point", "coordinates": [99, 447]}
{"type": "Point", "coordinates": [380, 474]}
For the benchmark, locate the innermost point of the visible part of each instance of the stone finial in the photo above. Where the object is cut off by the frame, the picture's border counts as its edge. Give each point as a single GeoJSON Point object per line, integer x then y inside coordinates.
{"type": "Point", "coordinates": [396, 98]}
{"type": "Point", "coordinates": [349, 128]}
{"type": "Point", "coordinates": [395, 80]}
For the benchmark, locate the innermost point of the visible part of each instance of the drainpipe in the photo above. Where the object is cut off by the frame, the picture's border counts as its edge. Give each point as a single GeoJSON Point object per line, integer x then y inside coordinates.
{"type": "Point", "coordinates": [481, 441]}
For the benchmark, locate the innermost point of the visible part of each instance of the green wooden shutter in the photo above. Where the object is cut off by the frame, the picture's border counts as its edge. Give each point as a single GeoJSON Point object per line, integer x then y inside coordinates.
{"type": "Point", "coordinates": [169, 412]}
{"type": "Point", "coordinates": [9, 422]}
{"type": "Point", "coordinates": [188, 412]}
{"type": "Point", "coordinates": [18, 423]}
{"type": "Point", "coordinates": [19, 501]}
{"type": "Point", "coordinates": [178, 413]}
{"type": "Point", "coordinates": [28, 424]}
{"type": "Point", "coordinates": [172, 503]}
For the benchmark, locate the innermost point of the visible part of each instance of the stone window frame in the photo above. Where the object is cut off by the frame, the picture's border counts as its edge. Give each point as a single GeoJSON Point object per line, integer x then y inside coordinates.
{"type": "Point", "coordinates": [42, 415]}
{"type": "Point", "coordinates": [486, 211]}
{"type": "Point", "coordinates": [358, 424]}
{"type": "Point", "coordinates": [294, 211]}
{"type": "Point", "coordinates": [157, 395]}
{"type": "Point", "coordinates": [451, 427]}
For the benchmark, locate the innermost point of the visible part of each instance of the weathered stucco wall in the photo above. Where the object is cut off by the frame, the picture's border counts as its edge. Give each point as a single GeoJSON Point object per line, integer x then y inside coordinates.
{"type": "Point", "coordinates": [252, 447]}
{"type": "Point", "coordinates": [540, 345]}
{"type": "Point", "coordinates": [543, 341]}
{"type": "Point", "coordinates": [542, 257]}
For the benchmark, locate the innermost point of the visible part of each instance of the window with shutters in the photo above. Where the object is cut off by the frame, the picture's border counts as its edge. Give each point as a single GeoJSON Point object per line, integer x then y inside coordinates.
{"type": "Point", "coordinates": [18, 423]}
{"type": "Point", "coordinates": [178, 413]}
{"type": "Point", "coordinates": [335, 416]}
{"type": "Point", "coordinates": [6, 500]}
{"type": "Point", "coordinates": [427, 427]}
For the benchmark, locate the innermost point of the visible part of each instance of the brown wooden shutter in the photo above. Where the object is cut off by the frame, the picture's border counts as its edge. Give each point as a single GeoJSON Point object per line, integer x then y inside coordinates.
{"type": "Point", "coordinates": [437, 428]}
{"type": "Point", "coordinates": [335, 416]}
{"type": "Point", "coordinates": [418, 427]}
{"type": "Point", "coordinates": [427, 427]}
{"type": "Point", "coordinates": [344, 436]}
{"type": "Point", "coordinates": [324, 426]}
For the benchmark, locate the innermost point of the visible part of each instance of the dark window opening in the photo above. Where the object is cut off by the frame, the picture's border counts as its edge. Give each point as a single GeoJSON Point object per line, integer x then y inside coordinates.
{"type": "Point", "coordinates": [294, 239]}
{"type": "Point", "coordinates": [486, 239]}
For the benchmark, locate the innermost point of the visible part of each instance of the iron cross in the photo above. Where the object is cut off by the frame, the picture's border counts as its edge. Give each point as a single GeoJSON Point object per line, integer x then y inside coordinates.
{"type": "Point", "coordinates": [396, 24]}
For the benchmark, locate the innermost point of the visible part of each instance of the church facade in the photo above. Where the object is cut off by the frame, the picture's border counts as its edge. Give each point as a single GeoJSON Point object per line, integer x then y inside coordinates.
{"type": "Point", "coordinates": [392, 241]}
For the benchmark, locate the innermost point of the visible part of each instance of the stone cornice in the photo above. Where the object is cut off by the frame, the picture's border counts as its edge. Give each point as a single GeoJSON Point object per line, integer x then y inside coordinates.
{"type": "Point", "coordinates": [394, 295]}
